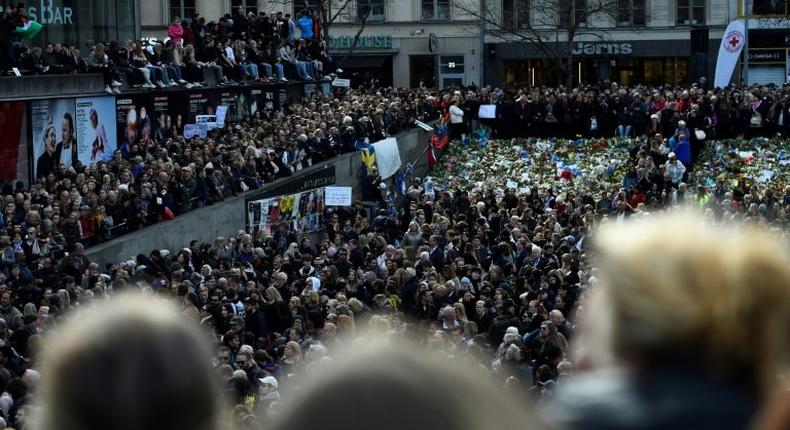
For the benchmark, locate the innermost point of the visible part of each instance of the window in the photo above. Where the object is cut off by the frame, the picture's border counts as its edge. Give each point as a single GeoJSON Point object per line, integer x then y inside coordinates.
{"type": "Point", "coordinates": [248, 5]}
{"type": "Point", "coordinates": [515, 14]}
{"type": "Point", "coordinates": [182, 8]}
{"type": "Point", "coordinates": [630, 13]}
{"type": "Point", "coordinates": [374, 7]}
{"type": "Point", "coordinates": [769, 7]}
{"type": "Point", "coordinates": [435, 9]}
{"type": "Point", "coordinates": [300, 5]}
{"type": "Point", "coordinates": [691, 12]}
{"type": "Point", "coordinates": [573, 13]}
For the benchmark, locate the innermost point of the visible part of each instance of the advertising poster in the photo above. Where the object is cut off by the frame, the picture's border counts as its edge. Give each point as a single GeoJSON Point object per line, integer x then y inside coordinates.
{"type": "Point", "coordinates": [135, 123]}
{"type": "Point", "coordinates": [54, 135]}
{"type": "Point", "coordinates": [202, 103]}
{"type": "Point", "coordinates": [230, 100]}
{"type": "Point", "coordinates": [96, 129]}
{"type": "Point", "coordinates": [13, 145]}
{"type": "Point", "coordinates": [310, 209]}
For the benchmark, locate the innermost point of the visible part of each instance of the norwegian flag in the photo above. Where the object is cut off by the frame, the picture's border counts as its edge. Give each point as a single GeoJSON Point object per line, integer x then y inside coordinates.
{"type": "Point", "coordinates": [438, 144]}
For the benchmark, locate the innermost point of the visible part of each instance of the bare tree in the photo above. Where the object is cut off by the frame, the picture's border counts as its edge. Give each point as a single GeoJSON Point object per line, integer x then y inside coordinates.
{"type": "Point", "coordinates": [336, 11]}
{"type": "Point", "coordinates": [551, 26]}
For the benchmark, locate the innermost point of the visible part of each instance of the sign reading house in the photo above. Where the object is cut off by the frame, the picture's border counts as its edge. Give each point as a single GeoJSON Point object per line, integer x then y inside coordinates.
{"type": "Point", "coordinates": [365, 42]}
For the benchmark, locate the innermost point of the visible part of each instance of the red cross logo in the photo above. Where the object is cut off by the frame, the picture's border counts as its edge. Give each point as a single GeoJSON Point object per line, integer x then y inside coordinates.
{"type": "Point", "coordinates": [734, 41]}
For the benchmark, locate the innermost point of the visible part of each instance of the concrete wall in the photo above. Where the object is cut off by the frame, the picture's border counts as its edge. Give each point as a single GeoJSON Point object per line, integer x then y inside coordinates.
{"type": "Point", "coordinates": [33, 87]}
{"type": "Point", "coordinates": [228, 217]}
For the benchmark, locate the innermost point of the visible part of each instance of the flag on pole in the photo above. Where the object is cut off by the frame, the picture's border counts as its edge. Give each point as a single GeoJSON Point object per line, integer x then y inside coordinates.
{"type": "Point", "coordinates": [729, 52]}
{"type": "Point", "coordinates": [28, 30]}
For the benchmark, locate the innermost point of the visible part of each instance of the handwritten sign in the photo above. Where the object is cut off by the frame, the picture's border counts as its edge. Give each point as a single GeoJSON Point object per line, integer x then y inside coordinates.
{"type": "Point", "coordinates": [342, 83]}
{"type": "Point", "coordinates": [192, 130]}
{"type": "Point", "coordinates": [337, 196]}
{"type": "Point", "coordinates": [487, 111]}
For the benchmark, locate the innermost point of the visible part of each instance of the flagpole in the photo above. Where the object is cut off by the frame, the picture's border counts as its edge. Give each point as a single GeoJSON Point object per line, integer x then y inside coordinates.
{"type": "Point", "coordinates": [746, 14]}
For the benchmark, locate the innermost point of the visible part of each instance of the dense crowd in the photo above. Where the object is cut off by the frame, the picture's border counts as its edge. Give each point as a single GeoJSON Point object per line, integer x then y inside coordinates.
{"type": "Point", "coordinates": [489, 275]}
{"type": "Point", "coordinates": [155, 175]}
{"type": "Point", "coordinates": [238, 47]}
{"type": "Point", "coordinates": [609, 110]}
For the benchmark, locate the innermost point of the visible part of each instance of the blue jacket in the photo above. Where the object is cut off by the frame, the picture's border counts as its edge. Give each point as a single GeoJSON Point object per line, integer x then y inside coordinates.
{"type": "Point", "coordinates": [683, 152]}
{"type": "Point", "coordinates": [305, 24]}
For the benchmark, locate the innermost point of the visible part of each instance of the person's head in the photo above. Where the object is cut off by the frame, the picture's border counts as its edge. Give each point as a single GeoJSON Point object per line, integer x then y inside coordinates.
{"type": "Point", "coordinates": [718, 302]}
{"type": "Point", "coordinates": [467, 402]}
{"type": "Point", "coordinates": [67, 128]}
{"type": "Point", "coordinates": [132, 336]}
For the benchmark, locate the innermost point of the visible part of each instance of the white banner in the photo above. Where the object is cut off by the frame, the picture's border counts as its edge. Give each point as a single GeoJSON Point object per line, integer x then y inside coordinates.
{"type": "Point", "coordinates": [729, 52]}
{"type": "Point", "coordinates": [337, 196]}
{"type": "Point", "coordinates": [487, 111]}
{"type": "Point", "coordinates": [387, 157]}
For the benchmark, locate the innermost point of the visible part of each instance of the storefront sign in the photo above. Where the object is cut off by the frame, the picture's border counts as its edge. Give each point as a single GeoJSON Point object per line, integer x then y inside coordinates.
{"type": "Point", "coordinates": [767, 56]}
{"type": "Point", "coordinates": [599, 48]}
{"type": "Point", "coordinates": [364, 42]}
{"type": "Point", "coordinates": [46, 12]}
{"type": "Point", "coordinates": [769, 39]}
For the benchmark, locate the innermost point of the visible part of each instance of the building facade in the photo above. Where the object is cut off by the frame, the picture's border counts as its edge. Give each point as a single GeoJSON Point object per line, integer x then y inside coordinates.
{"type": "Point", "coordinates": [627, 41]}
{"type": "Point", "coordinates": [768, 41]}
{"type": "Point", "coordinates": [78, 22]}
{"type": "Point", "coordinates": [402, 43]}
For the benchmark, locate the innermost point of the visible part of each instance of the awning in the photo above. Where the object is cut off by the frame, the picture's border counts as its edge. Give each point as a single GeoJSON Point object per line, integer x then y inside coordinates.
{"type": "Point", "coordinates": [362, 61]}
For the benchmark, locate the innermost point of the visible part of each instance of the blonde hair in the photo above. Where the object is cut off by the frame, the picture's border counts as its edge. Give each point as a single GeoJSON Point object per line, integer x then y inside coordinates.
{"type": "Point", "coordinates": [717, 296]}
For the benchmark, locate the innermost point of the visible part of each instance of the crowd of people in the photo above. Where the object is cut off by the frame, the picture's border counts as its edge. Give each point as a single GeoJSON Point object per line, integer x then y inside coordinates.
{"type": "Point", "coordinates": [236, 48]}
{"type": "Point", "coordinates": [155, 176]}
{"type": "Point", "coordinates": [495, 277]}
{"type": "Point", "coordinates": [611, 110]}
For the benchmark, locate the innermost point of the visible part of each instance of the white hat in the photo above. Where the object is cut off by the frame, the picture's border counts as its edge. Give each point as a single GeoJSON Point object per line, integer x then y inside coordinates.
{"type": "Point", "coordinates": [270, 380]}
{"type": "Point", "coordinates": [671, 155]}
{"type": "Point", "coordinates": [681, 122]}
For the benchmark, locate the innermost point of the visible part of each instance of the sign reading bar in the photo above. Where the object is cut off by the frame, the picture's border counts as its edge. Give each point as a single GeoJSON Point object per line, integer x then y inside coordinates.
{"type": "Point", "coordinates": [364, 42]}
{"type": "Point", "coordinates": [338, 196]}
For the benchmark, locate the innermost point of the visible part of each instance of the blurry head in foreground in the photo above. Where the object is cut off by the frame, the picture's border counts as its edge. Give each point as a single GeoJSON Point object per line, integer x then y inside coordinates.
{"type": "Point", "coordinates": [396, 387]}
{"type": "Point", "coordinates": [132, 364]}
{"type": "Point", "coordinates": [696, 317]}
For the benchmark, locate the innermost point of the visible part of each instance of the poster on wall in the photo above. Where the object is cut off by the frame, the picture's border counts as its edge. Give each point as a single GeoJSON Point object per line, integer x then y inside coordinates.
{"type": "Point", "coordinates": [54, 137]}
{"type": "Point", "coordinates": [96, 129]}
{"type": "Point", "coordinates": [13, 145]}
{"type": "Point", "coordinates": [203, 103]}
{"type": "Point", "coordinates": [310, 209]}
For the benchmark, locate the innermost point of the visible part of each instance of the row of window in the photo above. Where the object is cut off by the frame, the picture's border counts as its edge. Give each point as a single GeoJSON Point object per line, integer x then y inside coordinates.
{"type": "Point", "coordinates": [374, 9]}
{"type": "Point", "coordinates": [516, 13]}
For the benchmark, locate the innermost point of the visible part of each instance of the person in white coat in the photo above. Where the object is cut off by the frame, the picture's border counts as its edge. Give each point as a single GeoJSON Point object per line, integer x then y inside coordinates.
{"type": "Point", "coordinates": [456, 121]}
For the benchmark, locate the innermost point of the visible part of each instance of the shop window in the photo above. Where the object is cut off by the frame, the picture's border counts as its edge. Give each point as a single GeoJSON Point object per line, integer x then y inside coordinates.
{"type": "Point", "coordinates": [630, 13]}
{"type": "Point", "coordinates": [691, 12]}
{"type": "Point", "coordinates": [181, 8]}
{"type": "Point", "coordinates": [769, 7]}
{"type": "Point", "coordinates": [374, 9]}
{"type": "Point", "coordinates": [435, 9]}
{"type": "Point", "coordinates": [573, 13]}
{"type": "Point", "coordinates": [515, 14]}
{"type": "Point", "coordinates": [247, 5]}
